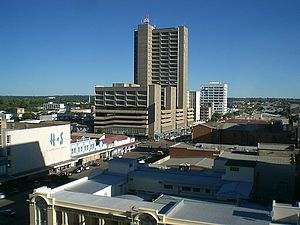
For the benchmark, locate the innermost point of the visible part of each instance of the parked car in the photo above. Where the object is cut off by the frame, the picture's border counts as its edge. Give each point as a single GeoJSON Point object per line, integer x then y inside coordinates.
{"type": "Point", "coordinates": [2, 195]}
{"type": "Point", "coordinates": [95, 164]}
{"type": "Point", "coordinates": [8, 212]}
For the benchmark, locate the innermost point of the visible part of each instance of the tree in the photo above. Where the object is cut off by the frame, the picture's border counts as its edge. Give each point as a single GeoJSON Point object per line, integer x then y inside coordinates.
{"type": "Point", "coordinates": [27, 116]}
{"type": "Point", "coordinates": [216, 117]}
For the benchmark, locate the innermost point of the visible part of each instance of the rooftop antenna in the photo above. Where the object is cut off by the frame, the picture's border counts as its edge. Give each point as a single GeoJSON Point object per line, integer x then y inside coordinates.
{"type": "Point", "coordinates": [146, 19]}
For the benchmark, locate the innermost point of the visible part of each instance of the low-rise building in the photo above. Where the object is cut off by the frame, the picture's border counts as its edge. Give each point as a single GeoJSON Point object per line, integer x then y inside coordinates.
{"type": "Point", "coordinates": [108, 198]}
{"type": "Point", "coordinates": [41, 144]}
{"type": "Point", "coordinates": [87, 147]}
{"type": "Point", "coordinates": [242, 132]}
{"type": "Point", "coordinates": [53, 106]}
{"type": "Point", "coordinates": [245, 170]}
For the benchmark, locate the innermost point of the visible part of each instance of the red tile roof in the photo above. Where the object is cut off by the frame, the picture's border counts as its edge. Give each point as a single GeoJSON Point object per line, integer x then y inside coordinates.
{"type": "Point", "coordinates": [110, 138]}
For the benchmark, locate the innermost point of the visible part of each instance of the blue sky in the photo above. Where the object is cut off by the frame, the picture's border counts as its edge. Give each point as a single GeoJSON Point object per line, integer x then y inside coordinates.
{"type": "Point", "coordinates": [57, 47]}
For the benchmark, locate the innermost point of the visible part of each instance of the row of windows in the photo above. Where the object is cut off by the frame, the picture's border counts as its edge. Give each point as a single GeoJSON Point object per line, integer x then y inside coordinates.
{"type": "Point", "coordinates": [165, 45]}
{"type": "Point", "coordinates": [234, 169]}
{"type": "Point", "coordinates": [187, 188]}
{"type": "Point", "coordinates": [121, 92]}
{"type": "Point", "coordinates": [82, 148]}
{"type": "Point", "coordinates": [122, 103]}
{"type": "Point", "coordinates": [174, 53]}
{"type": "Point", "coordinates": [122, 97]}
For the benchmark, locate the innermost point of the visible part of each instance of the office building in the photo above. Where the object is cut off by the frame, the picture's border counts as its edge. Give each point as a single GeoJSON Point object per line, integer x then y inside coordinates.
{"type": "Point", "coordinates": [216, 93]}
{"type": "Point", "coordinates": [193, 100]}
{"type": "Point", "coordinates": [206, 111]}
{"type": "Point", "coordinates": [160, 57]}
{"type": "Point", "coordinates": [156, 102]}
{"type": "Point", "coordinates": [134, 110]}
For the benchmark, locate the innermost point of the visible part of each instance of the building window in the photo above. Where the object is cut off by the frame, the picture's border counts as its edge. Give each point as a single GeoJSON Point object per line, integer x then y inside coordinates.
{"type": "Point", "coordinates": [8, 151]}
{"type": "Point", "coordinates": [207, 191]}
{"type": "Point", "coordinates": [168, 186]}
{"type": "Point", "coordinates": [8, 163]}
{"type": "Point", "coordinates": [196, 189]}
{"type": "Point", "coordinates": [184, 188]}
{"type": "Point", "coordinates": [234, 169]}
{"type": "Point", "coordinates": [8, 139]}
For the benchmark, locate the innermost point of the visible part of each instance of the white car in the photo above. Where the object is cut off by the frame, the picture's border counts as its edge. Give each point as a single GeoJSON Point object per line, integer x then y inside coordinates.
{"type": "Point", "coordinates": [2, 195]}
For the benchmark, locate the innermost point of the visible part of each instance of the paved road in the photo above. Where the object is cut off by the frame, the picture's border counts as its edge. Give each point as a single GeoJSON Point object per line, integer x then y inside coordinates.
{"type": "Point", "coordinates": [18, 203]}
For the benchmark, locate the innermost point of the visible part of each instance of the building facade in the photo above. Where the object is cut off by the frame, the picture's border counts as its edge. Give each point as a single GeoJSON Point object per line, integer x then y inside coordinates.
{"type": "Point", "coordinates": [160, 57]}
{"type": "Point", "coordinates": [193, 100]}
{"type": "Point", "coordinates": [206, 111]}
{"type": "Point", "coordinates": [53, 106]}
{"type": "Point", "coordinates": [216, 93]}
{"type": "Point", "coordinates": [156, 102]}
{"type": "Point", "coordinates": [41, 145]}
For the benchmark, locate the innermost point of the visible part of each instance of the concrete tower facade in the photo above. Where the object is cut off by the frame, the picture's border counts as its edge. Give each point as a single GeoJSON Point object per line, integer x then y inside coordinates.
{"type": "Point", "coordinates": [161, 57]}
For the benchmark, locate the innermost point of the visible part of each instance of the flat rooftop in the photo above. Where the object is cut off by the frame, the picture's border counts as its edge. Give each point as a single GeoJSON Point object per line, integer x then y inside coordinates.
{"type": "Point", "coordinates": [267, 159]}
{"type": "Point", "coordinates": [96, 184]}
{"type": "Point", "coordinates": [181, 209]}
{"type": "Point", "coordinates": [199, 162]}
{"type": "Point", "coordinates": [214, 212]}
{"type": "Point", "coordinates": [193, 177]}
{"type": "Point", "coordinates": [193, 147]}
{"type": "Point", "coordinates": [112, 203]}
{"type": "Point", "coordinates": [33, 124]}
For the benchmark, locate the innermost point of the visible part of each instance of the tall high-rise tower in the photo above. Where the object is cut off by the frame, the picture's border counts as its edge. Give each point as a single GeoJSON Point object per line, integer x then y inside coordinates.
{"type": "Point", "coordinates": [157, 101]}
{"type": "Point", "coordinates": [160, 57]}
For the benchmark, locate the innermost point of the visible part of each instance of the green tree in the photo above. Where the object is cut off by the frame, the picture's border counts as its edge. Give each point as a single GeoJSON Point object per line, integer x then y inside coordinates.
{"type": "Point", "coordinates": [216, 117]}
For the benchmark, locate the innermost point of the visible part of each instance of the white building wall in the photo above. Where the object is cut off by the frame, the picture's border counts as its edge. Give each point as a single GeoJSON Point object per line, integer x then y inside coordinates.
{"type": "Point", "coordinates": [285, 213]}
{"type": "Point", "coordinates": [49, 117]}
{"type": "Point", "coordinates": [83, 146]}
{"type": "Point", "coordinates": [53, 106]}
{"type": "Point", "coordinates": [244, 174]}
{"type": "Point", "coordinates": [37, 147]}
{"type": "Point", "coordinates": [104, 192]}
{"type": "Point", "coordinates": [216, 93]}
{"type": "Point", "coordinates": [198, 101]}
{"type": "Point", "coordinates": [121, 167]}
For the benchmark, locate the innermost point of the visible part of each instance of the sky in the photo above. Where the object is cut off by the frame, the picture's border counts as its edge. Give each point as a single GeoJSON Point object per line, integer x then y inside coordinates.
{"type": "Point", "coordinates": [66, 47]}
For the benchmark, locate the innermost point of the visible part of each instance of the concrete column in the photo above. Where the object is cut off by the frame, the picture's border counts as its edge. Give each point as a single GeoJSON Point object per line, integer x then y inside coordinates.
{"type": "Point", "coordinates": [81, 219]}
{"type": "Point", "coordinates": [51, 215]}
{"type": "Point", "coordinates": [65, 218]}
{"type": "Point", "coordinates": [101, 221]}
{"type": "Point", "coordinates": [32, 213]}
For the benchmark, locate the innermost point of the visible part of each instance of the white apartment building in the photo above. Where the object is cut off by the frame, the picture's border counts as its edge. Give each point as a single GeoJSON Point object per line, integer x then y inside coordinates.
{"type": "Point", "coordinates": [216, 93]}
{"type": "Point", "coordinates": [193, 101]}
{"type": "Point", "coordinates": [53, 106]}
